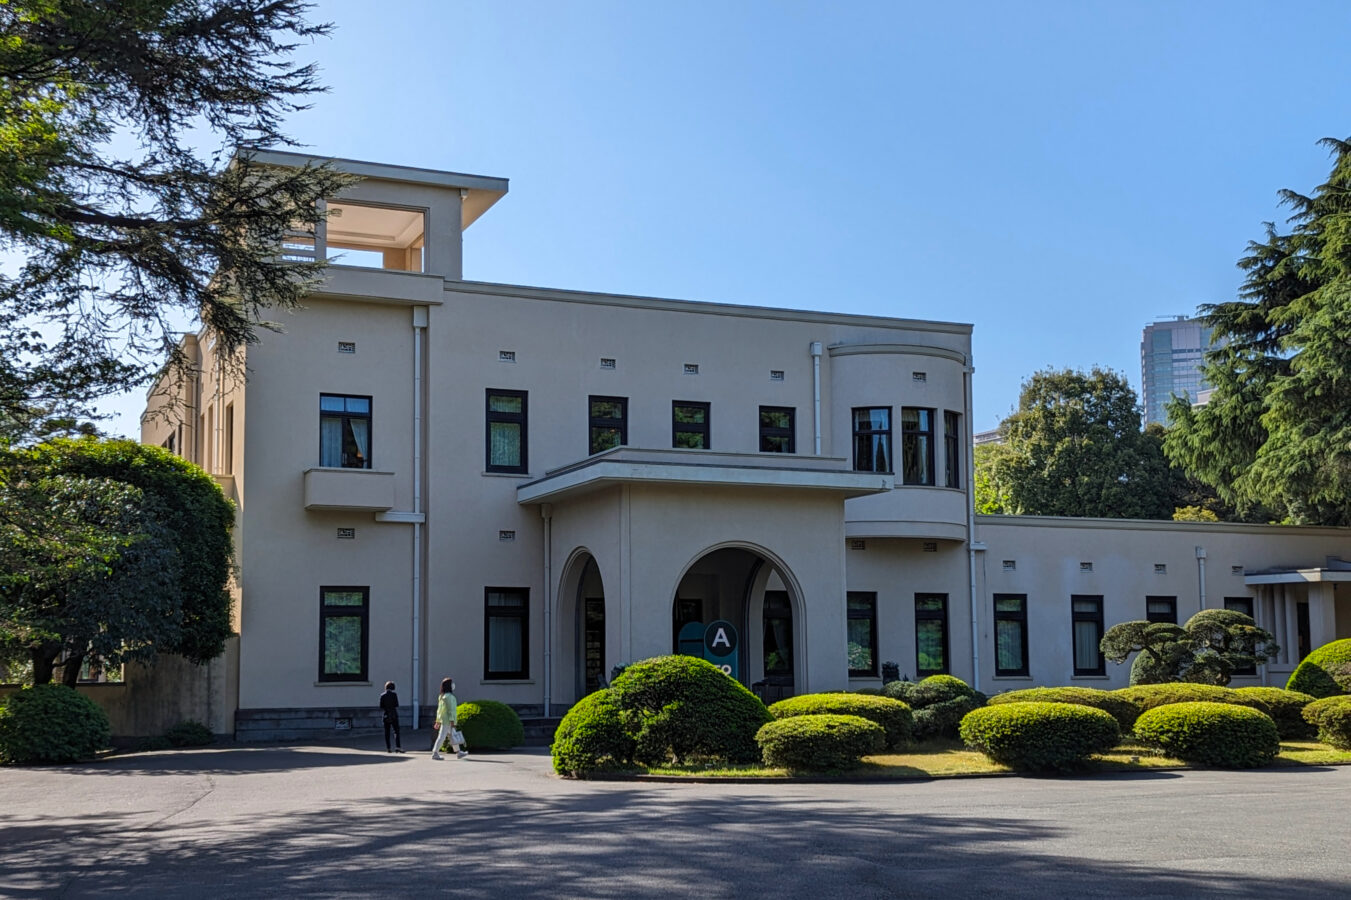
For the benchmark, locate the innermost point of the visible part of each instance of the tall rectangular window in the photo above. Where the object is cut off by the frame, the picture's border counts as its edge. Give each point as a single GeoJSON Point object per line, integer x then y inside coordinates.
{"type": "Point", "coordinates": [1241, 605]}
{"type": "Point", "coordinates": [777, 431]}
{"type": "Point", "coordinates": [608, 418]}
{"type": "Point", "coordinates": [917, 448]}
{"type": "Point", "coordinates": [872, 439]}
{"type": "Point", "coordinates": [506, 431]}
{"type": "Point", "coordinates": [1161, 609]}
{"type": "Point", "coordinates": [344, 431]}
{"type": "Point", "coordinates": [952, 449]}
{"type": "Point", "coordinates": [778, 633]}
{"type": "Point", "coordinates": [931, 634]}
{"type": "Point", "coordinates": [228, 449]}
{"type": "Point", "coordinates": [862, 626]}
{"type": "Point", "coordinates": [506, 636]}
{"type": "Point", "coordinates": [1086, 613]}
{"type": "Point", "coordinates": [344, 618]}
{"type": "Point", "coordinates": [1010, 634]}
{"type": "Point", "coordinates": [689, 425]}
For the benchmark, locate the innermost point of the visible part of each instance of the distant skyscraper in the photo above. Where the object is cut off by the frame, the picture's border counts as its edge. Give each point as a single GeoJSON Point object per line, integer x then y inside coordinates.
{"type": "Point", "coordinates": [1170, 363]}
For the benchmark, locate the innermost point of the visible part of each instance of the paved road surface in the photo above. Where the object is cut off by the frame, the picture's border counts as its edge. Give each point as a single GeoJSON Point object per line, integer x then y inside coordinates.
{"type": "Point", "coordinates": [350, 821]}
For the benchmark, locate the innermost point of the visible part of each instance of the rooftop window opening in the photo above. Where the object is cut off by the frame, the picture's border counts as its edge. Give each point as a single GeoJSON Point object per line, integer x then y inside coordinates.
{"type": "Point", "coordinates": [375, 237]}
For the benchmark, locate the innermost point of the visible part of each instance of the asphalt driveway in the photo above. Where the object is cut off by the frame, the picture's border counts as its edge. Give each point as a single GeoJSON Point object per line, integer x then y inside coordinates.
{"type": "Point", "coordinates": [351, 821]}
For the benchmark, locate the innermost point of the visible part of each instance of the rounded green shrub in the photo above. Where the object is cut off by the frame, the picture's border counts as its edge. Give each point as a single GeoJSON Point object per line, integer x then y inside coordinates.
{"type": "Point", "coordinates": [1212, 734]}
{"type": "Point", "coordinates": [1286, 709]}
{"type": "Point", "coordinates": [189, 734]}
{"type": "Point", "coordinates": [1332, 716]}
{"type": "Point", "coordinates": [50, 723]}
{"type": "Point", "coordinates": [819, 742]}
{"type": "Point", "coordinates": [681, 708]}
{"type": "Point", "coordinates": [893, 715]}
{"type": "Point", "coordinates": [1040, 736]}
{"type": "Point", "coordinates": [1145, 697]}
{"type": "Point", "coordinates": [489, 725]}
{"type": "Point", "coordinates": [1326, 672]}
{"type": "Point", "coordinates": [592, 737]}
{"type": "Point", "coordinates": [938, 703]}
{"type": "Point", "coordinates": [1118, 708]}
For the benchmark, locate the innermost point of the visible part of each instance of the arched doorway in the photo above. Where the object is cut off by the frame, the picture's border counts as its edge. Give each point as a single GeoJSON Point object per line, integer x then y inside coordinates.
{"type": "Point", "coordinates": [583, 603]}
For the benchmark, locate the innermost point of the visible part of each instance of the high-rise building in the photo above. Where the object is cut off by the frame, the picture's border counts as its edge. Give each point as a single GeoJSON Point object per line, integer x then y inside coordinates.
{"type": "Point", "coordinates": [1170, 363]}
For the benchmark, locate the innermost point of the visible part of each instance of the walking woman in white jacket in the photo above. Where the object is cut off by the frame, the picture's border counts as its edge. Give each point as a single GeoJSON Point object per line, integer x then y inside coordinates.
{"type": "Point", "coordinates": [446, 714]}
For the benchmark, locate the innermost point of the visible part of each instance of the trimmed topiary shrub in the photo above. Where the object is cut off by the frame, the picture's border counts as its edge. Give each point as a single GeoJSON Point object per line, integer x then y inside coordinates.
{"type": "Point", "coordinates": [1332, 715]}
{"type": "Point", "coordinates": [1040, 736]}
{"type": "Point", "coordinates": [937, 703]}
{"type": "Point", "coordinates": [818, 742]}
{"type": "Point", "coordinates": [489, 725]}
{"type": "Point", "coordinates": [189, 734]}
{"type": "Point", "coordinates": [1326, 672]}
{"type": "Point", "coordinates": [893, 715]}
{"type": "Point", "coordinates": [592, 737]}
{"type": "Point", "coordinates": [1151, 696]}
{"type": "Point", "coordinates": [1286, 709]}
{"type": "Point", "coordinates": [681, 707]}
{"type": "Point", "coordinates": [1117, 707]}
{"type": "Point", "coordinates": [50, 723]}
{"type": "Point", "coordinates": [1212, 734]}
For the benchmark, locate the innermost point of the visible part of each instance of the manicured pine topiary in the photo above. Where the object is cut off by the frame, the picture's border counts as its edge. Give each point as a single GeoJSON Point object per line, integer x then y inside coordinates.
{"type": "Point", "coordinates": [1326, 672]}
{"type": "Point", "coordinates": [489, 725]}
{"type": "Point", "coordinates": [50, 723]}
{"type": "Point", "coordinates": [819, 742]}
{"type": "Point", "coordinates": [1286, 709]}
{"type": "Point", "coordinates": [893, 715]}
{"type": "Point", "coordinates": [1042, 736]}
{"type": "Point", "coordinates": [592, 737]}
{"type": "Point", "coordinates": [1211, 734]}
{"type": "Point", "coordinates": [1332, 716]}
{"type": "Point", "coordinates": [1120, 709]}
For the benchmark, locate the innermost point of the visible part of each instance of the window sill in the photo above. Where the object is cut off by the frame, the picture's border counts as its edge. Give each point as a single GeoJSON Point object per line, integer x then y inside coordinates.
{"type": "Point", "coordinates": [506, 681]}
{"type": "Point", "coordinates": [342, 684]}
{"type": "Point", "coordinates": [1091, 678]}
{"type": "Point", "coordinates": [505, 474]}
{"type": "Point", "coordinates": [1018, 677]}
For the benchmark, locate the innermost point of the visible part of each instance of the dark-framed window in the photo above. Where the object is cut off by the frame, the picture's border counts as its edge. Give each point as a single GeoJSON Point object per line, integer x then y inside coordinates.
{"type": "Point", "coordinates": [778, 633]}
{"type": "Point", "coordinates": [1242, 605]}
{"type": "Point", "coordinates": [506, 431]}
{"type": "Point", "coordinates": [917, 445]}
{"type": "Point", "coordinates": [1086, 620]}
{"type": "Point", "coordinates": [1010, 634]}
{"type": "Point", "coordinates": [689, 424]}
{"type": "Point", "coordinates": [952, 449]}
{"type": "Point", "coordinates": [506, 632]}
{"type": "Point", "coordinates": [344, 633]}
{"type": "Point", "coordinates": [862, 628]}
{"type": "Point", "coordinates": [345, 431]}
{"type": "Point", "coordinates": [931, 634]}
{"type": "Point", "coordinates": [1161, 610]}
{"type": "Point", "coordinates": [872, 439]}
{"type": "Point", "coordinates": [778, 432]}
{"type": "Point", "coordinates": [608, 419]}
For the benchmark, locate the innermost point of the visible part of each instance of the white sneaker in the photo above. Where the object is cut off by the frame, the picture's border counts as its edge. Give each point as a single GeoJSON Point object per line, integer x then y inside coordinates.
{"type": "Point", "coordinates": [462, 754]}
{"type": "Point", "coordinates": [437, 756]}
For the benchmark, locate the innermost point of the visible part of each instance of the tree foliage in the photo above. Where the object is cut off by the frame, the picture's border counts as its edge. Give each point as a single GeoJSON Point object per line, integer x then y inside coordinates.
{"type": "Point", "coordinates": [1208, 649]}
{"type": "Point", "coordinates": [118, 222]}
{"type": "Point", "coordinates": [113, 549]}
{"type": "Point", "coordinates": [1275, 438]}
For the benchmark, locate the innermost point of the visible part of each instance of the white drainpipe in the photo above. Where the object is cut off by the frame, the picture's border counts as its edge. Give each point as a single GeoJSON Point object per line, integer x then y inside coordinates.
{"type": "Point", "coordinates": [419, 329]}
{"type": "Point", "coordinates": [546, 512]}
{"type": "Point", "coordinates": [816, 397]}
{"type": "Point", "coordinates": [971, 546]}
{"type": "Point", "coordinates": [1201, 574]}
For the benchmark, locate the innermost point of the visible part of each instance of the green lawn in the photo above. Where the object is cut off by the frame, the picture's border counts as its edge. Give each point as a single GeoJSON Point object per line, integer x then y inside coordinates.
{"type": "Point", "coordinates": [947, 759]}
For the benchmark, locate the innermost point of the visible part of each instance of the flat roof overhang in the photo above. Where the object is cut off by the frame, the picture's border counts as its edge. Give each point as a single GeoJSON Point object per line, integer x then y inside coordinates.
{"type": "Point", "coordinates": [1297, 576]}
{"type": "Point", "coordinates": [700, 468]}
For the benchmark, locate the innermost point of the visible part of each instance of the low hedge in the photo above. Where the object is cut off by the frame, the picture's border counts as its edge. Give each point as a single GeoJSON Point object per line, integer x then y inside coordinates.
{"type": "Point", "coordinates": [489, 725]}
{"type": "Point", "coordinates": [937, 703]}
{"type": "Point", "coordinates": [1151, 696]}
{"type": "Point", "coordinates": [1326, 672]}
{"type": "Point", "coordinates": [1040, 736]}
{"type": "Point", "coordinates": [1117, 707]}
{"type": "Point", "coordinates": [50, 723]}
{"type": "Point", "coordinates": [819, 742]}
{"type": "Point", "coordinates": [1332, 716]}
{"type": "Point", "coordinates": [893, 715]}
{"type": "Point", "coordinates": [592, 737]}
{"type": "Point", "coordinates": [1286, 709]}
{"type": "Point", "coordinates": [189, 734]}
{"type": "Point", "coordinates": [1212, 734]}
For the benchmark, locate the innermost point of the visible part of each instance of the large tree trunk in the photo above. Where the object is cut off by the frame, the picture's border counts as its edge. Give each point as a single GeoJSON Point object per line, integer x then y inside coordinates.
{"type": "Point", "coordinates": [42, 666]}
{"type": "Point", "coordinates": [70, 670]}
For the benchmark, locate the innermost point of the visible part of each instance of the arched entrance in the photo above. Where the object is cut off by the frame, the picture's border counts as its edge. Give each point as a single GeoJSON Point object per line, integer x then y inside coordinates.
{"type": "Point", "coordinates": [756, 594]}
{"type": "Point", "coordinates": [583, 603]}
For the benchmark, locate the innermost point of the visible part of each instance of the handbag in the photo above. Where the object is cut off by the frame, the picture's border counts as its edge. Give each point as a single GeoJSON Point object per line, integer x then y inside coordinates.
{"type": "Point", "coordinates": [457, 736]}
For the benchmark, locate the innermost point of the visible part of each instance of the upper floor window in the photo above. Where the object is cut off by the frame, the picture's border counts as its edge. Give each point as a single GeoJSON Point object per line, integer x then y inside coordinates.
{"type": "Point", "coordinates": [777, 431]}
{"type": "Point", "coordinates": [344, 431]}
{"type": "Point", "coordinates": [608, 421]}
{"type": "Point", "coordinates": [872, 439]}
{"type": "Point", "coordinates": [917, 447]}
{"type": "Point", "coordinates": [689, 425]}
{"type": "Point", "coordinates": [506, 431]}
{"type": "Point", "coordinates": [952, 443]}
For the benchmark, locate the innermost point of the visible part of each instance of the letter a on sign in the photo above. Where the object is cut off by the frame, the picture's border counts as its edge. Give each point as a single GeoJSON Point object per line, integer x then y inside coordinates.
{"type": "Point", "coordinates": [720, 639]}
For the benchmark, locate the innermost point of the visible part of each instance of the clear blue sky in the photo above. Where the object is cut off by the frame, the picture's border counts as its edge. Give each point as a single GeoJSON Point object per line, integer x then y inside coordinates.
{"type": "Point", "coordinates": [1058, 174]}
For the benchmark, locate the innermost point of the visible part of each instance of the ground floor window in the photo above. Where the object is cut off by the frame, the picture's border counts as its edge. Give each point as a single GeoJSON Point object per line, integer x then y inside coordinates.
{"type": "Point", "coordinates": [1161, 610]}
{"type": "Point", "coordinates": [506, 615]}
{"type": "Point", "coordinates": [778, 635]}
{"type": "Point", "coordinates": [1010, 634]}
{"type": "Point", "coordinates": [931, 634]}
{"type": "Point", "coordinates": [862, 633]}
{"type": "Point", "coordinates": [1086, 614]}
{"type": "Point", "coordinates": [344, 623]}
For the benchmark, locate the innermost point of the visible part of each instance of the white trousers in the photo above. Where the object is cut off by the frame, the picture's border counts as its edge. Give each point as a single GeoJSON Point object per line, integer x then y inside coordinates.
{"type": "Point", "coordinates": [446, 728]}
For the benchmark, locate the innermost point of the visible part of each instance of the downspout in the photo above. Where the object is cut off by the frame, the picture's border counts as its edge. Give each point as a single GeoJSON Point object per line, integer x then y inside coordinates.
{"type": "Point", "coordinates": [816, 397]}
{"type": "Point", "coordinates": [971, 546]}
{"type": "Point", "coordinates": [1201, 573]}
{"type": "Point", "coordinates": [419, 329]}
{"type": "Point", "coordinates": [546, 511]}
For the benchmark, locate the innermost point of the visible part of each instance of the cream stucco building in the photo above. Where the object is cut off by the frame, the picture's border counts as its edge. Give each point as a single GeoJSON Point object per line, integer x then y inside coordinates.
{"type": "Point", "coordinates": [524, 487]}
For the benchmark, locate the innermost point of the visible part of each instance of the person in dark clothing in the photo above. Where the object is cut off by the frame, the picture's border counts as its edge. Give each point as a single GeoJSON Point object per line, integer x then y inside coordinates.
{"type": "Point", "coordinates": [389, 705]}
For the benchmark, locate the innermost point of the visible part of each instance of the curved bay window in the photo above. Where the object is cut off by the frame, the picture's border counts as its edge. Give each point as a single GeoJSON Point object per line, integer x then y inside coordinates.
{"type": "Point", "coordinates": [917, 445]}
{"type": "Point", "coordinates": [872, 439]}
